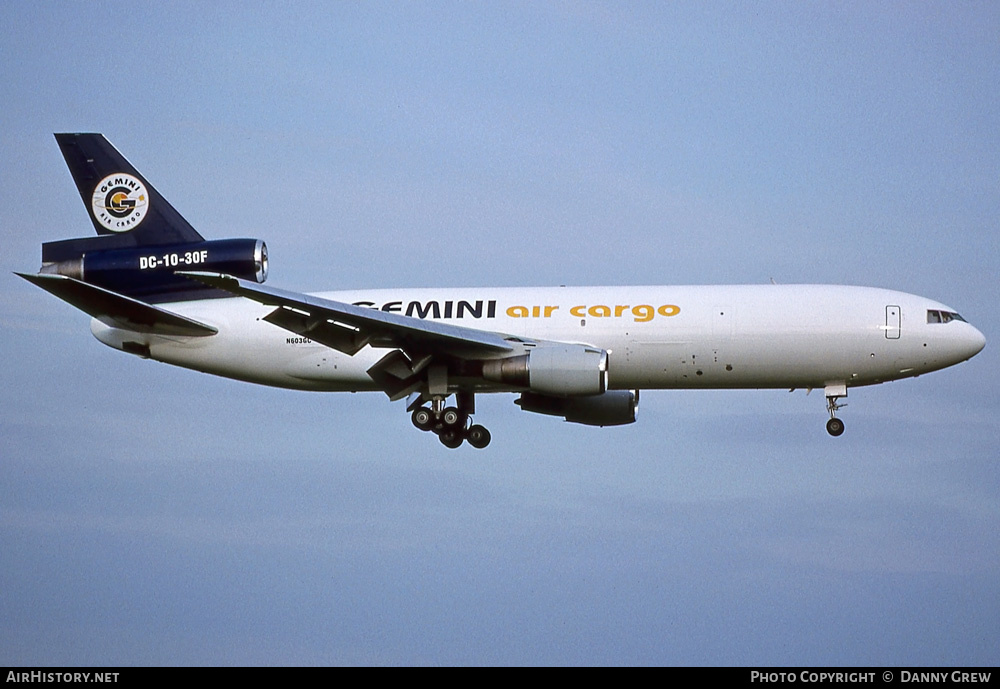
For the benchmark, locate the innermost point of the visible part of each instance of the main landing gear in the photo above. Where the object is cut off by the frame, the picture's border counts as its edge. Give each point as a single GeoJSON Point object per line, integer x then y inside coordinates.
{"type": "Point", "coordinates": [451, 424]}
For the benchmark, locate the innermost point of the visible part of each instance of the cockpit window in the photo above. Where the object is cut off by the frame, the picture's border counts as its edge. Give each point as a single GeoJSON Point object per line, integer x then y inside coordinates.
{"type": "Point", "coordinates": [934, 316]}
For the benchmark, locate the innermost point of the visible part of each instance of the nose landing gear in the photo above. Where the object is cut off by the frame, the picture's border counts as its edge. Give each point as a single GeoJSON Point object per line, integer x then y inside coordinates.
{"type": "Point", "coordinates": [835, 426]}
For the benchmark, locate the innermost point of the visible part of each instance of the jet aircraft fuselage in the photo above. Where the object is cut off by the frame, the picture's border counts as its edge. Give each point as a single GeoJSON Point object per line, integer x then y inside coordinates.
{"type": "Point", "coordinates": [738, 336]}
{"type": "Point", "coordinates": [156, 288]}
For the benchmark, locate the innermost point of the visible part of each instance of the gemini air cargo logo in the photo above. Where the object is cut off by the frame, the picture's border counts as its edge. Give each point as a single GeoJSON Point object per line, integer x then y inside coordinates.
{"type": "Point", "coordinates": [120, 202]}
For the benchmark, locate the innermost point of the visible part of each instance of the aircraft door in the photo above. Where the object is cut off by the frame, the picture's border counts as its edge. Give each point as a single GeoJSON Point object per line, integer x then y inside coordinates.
{"type": "Point", "coordinates": [892, 322]}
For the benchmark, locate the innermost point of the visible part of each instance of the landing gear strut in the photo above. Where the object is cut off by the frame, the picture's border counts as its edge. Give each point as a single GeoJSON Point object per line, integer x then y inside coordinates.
{"type": "Point", "coordinates": [451, 424]}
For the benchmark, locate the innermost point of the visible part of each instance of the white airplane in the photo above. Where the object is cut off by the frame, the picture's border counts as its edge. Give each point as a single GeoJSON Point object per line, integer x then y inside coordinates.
{"type": "Point", "coordinates": [156, 288]}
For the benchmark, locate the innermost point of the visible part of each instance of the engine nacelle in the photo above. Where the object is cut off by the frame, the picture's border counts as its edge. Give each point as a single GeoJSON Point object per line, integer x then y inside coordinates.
{"type": "Point", "coordinates": [613, 408]}
{"type": "Point", "coordinates": [564, 370]}
{"type": "Point", "coordinates": [138, 271]}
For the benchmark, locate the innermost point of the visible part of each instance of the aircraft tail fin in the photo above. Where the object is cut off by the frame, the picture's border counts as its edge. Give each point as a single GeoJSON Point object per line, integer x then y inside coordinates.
{"type": "Point", "coordinates": [125, 209]}
{"type": "Point", "coordinates": [142, 240]}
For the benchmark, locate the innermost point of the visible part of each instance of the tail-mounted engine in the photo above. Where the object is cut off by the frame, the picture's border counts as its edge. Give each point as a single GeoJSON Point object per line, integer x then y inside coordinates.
{"type": "Point", "coordinates": [148, 272]}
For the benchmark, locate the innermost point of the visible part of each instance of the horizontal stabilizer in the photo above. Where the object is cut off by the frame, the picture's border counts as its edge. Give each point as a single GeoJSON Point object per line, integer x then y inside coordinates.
{"type": "Point", "coordinates": [118, 311]}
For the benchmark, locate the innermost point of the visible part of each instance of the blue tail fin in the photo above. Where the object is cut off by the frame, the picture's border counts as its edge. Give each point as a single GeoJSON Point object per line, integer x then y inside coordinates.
{"type": "Point", "coordinates": [142, 241]}
{"type": "Point", "coordinates": [120, 200]}
{"type": "Point", "coordinates": [124, 207]}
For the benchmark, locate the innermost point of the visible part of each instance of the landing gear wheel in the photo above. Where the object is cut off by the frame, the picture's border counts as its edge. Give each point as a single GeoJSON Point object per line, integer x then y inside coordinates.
{"type": "Point", "coordinates": [834, 427]}
{"type": "Point", "coordinates": [422, 418]}
{"type": "Point", "coordinates": [451, 417]}
{"type": "Point", "coordinates": [451, 438]}
{"type": "Point", "coordinates": [478, 436]}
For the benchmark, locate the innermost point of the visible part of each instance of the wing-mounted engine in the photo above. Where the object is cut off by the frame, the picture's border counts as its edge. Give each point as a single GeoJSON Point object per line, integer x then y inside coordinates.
{"type": "Point", "coordinates": [566, 380]}
{"type": "Point", "coordinates": [556, 369]}
{"type": "Point", "coordinates": [612, 408]}
{"type": "Point", "coordinates": [149, 272]}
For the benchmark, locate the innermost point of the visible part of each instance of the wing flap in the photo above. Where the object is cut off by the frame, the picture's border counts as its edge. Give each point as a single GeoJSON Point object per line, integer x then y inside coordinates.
{"type": "Point", "coordinates": [344, 339]}
{"type": "Point", "coordinates": [116, 310]}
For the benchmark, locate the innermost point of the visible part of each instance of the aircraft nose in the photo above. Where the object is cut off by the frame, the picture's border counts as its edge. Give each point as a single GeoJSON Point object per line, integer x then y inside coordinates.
{"type": "Point", "coordinates": [975, 342]}
{"type": "Point", "coordinates": [965, 343]}
{"type": "Point", "coordinates": [959, 344]}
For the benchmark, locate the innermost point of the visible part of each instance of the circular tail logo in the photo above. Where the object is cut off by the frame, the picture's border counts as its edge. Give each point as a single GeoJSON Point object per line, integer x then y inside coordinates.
{"type": "Point", "coordinates": [120, 202]}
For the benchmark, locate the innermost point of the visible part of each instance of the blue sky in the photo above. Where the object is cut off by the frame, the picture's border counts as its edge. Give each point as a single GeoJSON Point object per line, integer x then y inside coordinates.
{"type": "Point", "coordinates": [151, 515]}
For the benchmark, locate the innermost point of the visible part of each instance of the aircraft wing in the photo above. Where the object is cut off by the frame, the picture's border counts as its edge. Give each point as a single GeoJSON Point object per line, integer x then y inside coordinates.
{"type": "Point", "coordinates": [117, 310]}
{"type": "Point", "coordinates": [348, 328]}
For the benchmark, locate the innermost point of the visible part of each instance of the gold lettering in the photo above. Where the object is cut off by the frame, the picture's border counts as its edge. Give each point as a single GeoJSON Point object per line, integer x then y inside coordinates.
{"type": "Point", "coordinates": [643, 313]}
{"type": "Point", "coordinates": [517, 311]}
